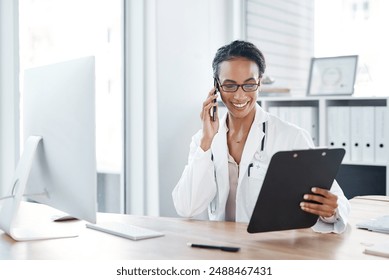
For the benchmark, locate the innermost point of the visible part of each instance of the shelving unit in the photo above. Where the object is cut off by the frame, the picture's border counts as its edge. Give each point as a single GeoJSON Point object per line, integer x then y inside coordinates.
{"type": "Point", "coordinates": [356, 176]}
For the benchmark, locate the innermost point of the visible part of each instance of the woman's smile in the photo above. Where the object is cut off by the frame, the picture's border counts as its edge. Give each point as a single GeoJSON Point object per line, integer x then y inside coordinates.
{"type": "Point", "coordinates": [240, 105]}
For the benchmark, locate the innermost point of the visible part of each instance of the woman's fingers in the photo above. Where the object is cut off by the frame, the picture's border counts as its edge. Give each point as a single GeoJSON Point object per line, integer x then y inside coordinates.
{"type": "Point", "coordinates": [322, 202]}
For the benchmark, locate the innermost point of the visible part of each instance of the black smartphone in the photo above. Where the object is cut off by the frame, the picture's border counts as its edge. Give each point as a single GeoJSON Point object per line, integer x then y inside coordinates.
{"type": "Point", "coordinates": [215, 84]}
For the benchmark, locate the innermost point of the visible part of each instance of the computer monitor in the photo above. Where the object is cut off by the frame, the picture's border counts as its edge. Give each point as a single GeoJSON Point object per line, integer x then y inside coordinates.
{"type": "Point", "coordinates": [58, 165]}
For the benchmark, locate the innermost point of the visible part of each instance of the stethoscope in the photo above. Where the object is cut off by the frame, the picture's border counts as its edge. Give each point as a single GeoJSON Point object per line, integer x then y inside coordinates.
{"type": "Point", "coordinates": [258, 156]}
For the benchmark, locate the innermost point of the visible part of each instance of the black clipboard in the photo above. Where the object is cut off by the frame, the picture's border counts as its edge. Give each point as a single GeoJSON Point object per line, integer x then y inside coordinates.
{"type": "Point", "coordinates": [290, 175]}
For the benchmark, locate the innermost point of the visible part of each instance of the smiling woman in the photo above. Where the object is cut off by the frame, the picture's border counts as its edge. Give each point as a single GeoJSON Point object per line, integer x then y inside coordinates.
{"type": "Point", "coordinates": [239, 79]}
{"type": "Point", "coordinates": [229, 156]}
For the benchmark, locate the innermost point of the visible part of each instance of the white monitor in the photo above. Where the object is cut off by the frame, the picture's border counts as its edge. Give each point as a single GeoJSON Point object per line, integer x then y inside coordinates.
{"type": "Point", "coordinates": [58, 165]}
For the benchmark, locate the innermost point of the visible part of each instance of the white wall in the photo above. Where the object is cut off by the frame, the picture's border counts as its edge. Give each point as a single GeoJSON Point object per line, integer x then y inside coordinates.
{"type": "Point", "coordinates": [188, 35]}
{"type": "Point", "coordinates": [9, 86]}
{"type": "Point", "coordinates": [284, 31]}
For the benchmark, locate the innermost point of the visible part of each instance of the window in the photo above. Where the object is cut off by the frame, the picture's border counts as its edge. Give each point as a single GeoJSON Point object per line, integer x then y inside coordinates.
{"type": "Point", "coordinates": [346, 27]}
{"type": "Point", "coordinates": [52, 31]}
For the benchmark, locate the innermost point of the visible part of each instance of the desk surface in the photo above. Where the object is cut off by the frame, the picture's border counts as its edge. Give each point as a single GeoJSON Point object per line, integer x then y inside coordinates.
{"type": "Point", "coordinates": [282, 245]}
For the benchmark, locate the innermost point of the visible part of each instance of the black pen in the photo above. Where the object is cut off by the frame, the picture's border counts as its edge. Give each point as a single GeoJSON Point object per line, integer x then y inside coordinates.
{"type": "Point", "coordinates": [223, 248]}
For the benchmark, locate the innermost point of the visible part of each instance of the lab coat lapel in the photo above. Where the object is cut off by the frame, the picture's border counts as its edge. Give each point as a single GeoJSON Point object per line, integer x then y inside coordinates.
{"type": "Point", "coordinates": [253, 142]}
{"type": "Point", "coordinates": [219, 149]}
{"type": "Point", "coordinates": [219, 143]}
{"type": "Point", "coordinates": [220, 160]}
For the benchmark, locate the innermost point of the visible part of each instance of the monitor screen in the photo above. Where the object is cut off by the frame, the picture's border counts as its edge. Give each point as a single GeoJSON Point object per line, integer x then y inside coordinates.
{"type": "Point", "coordinates": [58, 109]}
{"type": "Point", "coordinates": [59, 106]}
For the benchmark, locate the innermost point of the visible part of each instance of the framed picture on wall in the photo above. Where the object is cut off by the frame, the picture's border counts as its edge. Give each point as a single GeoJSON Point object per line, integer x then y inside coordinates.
{"type": "Point", "coordinates": [332, 75]}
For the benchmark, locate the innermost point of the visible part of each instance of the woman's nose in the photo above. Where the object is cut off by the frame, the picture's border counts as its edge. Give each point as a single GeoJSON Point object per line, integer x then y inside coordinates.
{"type": "Point", "coordinates": [240, 94]}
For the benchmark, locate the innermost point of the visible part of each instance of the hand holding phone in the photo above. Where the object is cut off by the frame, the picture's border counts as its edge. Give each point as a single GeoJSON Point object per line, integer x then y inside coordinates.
{"type": "Point", "coordinates": [209, 116]}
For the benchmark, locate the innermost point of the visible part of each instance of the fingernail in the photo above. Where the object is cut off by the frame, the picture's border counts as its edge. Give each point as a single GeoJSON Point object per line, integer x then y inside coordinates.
{"type": "Point", "coordinates": [313, 189]}
{"type": "Point", "coordinates": [305, 196]}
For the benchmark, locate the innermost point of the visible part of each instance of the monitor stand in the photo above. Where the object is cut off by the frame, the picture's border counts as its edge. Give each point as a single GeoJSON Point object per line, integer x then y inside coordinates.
{"type": "Point", "coordinates": [17, 218]}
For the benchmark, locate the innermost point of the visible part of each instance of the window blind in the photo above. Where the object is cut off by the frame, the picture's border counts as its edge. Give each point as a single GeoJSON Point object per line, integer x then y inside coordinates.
{"type": "Point", "coordinates": [284, 31]}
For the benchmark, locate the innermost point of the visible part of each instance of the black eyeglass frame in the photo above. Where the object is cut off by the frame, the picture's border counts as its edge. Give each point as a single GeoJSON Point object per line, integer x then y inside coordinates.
{"type": "Point", "coordinates": [238, 86]}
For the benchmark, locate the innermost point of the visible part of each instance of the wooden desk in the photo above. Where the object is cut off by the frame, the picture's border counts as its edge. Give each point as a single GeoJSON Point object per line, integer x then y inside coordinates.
{"type": "Point", "coordinates": [282, 245]}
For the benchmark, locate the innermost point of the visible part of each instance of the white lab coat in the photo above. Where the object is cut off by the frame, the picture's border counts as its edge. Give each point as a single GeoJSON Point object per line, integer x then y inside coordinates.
{"type": "Point", "coordinates": [204, 183]}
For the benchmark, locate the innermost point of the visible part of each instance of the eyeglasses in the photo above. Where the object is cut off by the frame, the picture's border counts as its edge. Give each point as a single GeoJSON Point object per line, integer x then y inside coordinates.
{"type": "Point", "coordinates": [235, 87]}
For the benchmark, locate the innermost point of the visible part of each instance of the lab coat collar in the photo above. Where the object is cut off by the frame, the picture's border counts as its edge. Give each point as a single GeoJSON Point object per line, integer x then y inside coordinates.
{"type": "Point", "coordinates": [220, 149]}
{"type": "Point", "coordinates": [253, 142]}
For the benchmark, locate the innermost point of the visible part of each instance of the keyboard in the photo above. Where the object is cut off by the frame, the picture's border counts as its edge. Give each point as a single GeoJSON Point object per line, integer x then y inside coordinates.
{"type": "Point", "coordinates": [125, 230]}
{"type": "Point", "coordinates": [379, 224]}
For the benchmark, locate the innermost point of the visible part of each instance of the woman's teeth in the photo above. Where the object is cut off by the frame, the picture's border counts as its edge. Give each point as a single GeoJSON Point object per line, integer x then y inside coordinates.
{"type": "Point", "coordinates": [240, 105]}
